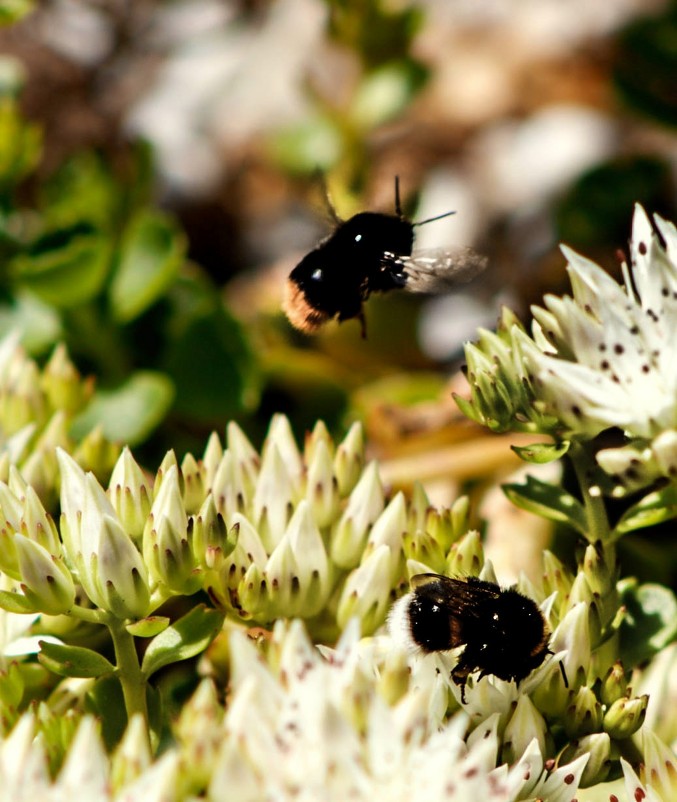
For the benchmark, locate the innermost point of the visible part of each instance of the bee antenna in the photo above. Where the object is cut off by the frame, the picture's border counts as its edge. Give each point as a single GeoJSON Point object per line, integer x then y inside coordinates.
{"type": "Point", "coordinates": [432, 219]}
{"type": "Point", "coordinates": [564, 674]}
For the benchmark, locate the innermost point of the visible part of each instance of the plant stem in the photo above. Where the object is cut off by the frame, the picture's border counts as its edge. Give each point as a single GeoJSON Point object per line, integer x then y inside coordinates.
{"type": "Point", "coordinates": [128, 670]}
{"type": "Point", "coordinates": [593, 502]}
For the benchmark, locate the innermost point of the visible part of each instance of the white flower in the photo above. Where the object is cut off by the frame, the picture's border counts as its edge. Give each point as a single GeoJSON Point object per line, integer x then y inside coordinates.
{"type": "Point", "coordinates": [607, 357]}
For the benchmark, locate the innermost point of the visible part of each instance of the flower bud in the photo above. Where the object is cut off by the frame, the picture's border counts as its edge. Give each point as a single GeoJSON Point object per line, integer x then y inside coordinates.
{"type": "Point", "coordinates": [193, 484]}
{"type": "Point", "coordinates": [614, 684]}
{"type": "Point", "coordinates": [210, 540]}
{"type": "Point", "coordinates": [37, 525]}
{"type": "Point", "coordinates": [364, 507]}
{"type": "Point", "coordinates": [625, 716]}
{"type": "Point", "coordinates": [321, 485]}
{"type": "Point", "coordinates": [45, 580]}
{"type": "Point", "coordinates": [466, 557]}
{"type": "Point", "coordinates": [62, 383]}
{"type": "Point", "coordinates": [584, 715]}
{"type": "Point", "coordinates": [119, 572]}
{"type": "Point", "coordinates": [211, 459]}
{"type": "Point", "coordinates": [389, 528]}
{"type": "Point", "coordinates": [349, 460]}
{"type": "Point", "coordinates": [366, 593]}
{"type": "Point", "coordinates": [525, 724]}
{"type": "Point", "coordinates": [130, 494]}
{"type": "Point", "coordinates": [597, 746]}
{"type": "Point", "coordinates": [273, 497]}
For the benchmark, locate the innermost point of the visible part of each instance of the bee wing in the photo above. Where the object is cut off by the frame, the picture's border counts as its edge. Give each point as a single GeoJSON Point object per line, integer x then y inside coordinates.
{"type": "Point", "coordinates": [439, 270]}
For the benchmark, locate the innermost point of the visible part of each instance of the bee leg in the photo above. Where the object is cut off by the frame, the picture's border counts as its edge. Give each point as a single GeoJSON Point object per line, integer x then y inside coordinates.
{"type": "Point", "coordinates": [459, 674]}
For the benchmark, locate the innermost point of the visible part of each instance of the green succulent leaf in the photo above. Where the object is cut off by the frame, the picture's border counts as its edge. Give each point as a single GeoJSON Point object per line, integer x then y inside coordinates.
{"type": "Point", "coordinates": [540, 453]}
{"type": "Point", "coordinates": [152, 252]}
{"type": "Point", "coordinates": [187, 637]}
{"type": "Point", "coordinates": [73, 661]}
{"type": "Point", "coordinates": [16, 603]}
{"type": "Point", "coordinates": [66, 268]}
{"type": "Point", "coordinates": [129, 412]}
{"type": "Point", "coordinates": [548, 501]}
{"type": "Point", "coordinates": [148, 627]}
{"type": "Point", "coordinates": [653, 509]}
{"type": "Point", "coordinates": [650, 622]}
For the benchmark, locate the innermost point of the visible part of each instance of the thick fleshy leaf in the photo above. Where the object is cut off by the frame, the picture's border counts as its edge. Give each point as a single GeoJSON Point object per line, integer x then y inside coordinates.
{"type": "Point", "coordinates": [548, 501]}
{"type": "Point", "coordinates": [16, 603]}
{"type": "Point", "coordinates": [130, 412]}
{"type": "Point", "coordinates": [187, 637]}
{"type": "Point", "coordinates": [151, 253]}
{"type": "Point", "coordinates": [540, 453]}
{"type": "Point", "coordinates": [67, 268]}
{"type": "Point", "coordinates": [651, 510]}
{"type": "Point", "coordinates": [148, 627]}
{"type": "Point", "coordinates": [73, 661]}
{"type": "Point", "coordinates": [650, 622]}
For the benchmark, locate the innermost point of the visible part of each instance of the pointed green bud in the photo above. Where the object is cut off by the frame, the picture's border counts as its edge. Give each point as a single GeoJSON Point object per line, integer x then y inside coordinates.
{"type": "Point", "coordinates": [573, 636]}
{"type": "Point", "coordinates": [422, 548]}
{"type": "Point", "coordinates": [364, 506]}
{"type": "Point", "coordinates": [466, 557]}
{"type": "Point", "coordinates": [166, 548]}
{"type": "Point", "coordinates": [597, 747]}
{"type": "Point", "coordinates": [349, 459]}
{"type": "Point", "coordinates": [419, 506]}
{"type": "Point", "coordinates": [273, 497]}
{"type": "Point", "coordinates": [72, 503]}
{"type": "Point", "coordinates": [119, 572]}
{"type": "Point", "coordinates": [388, 529]}
{"type": "Point", "coordinates": [193, 482]}
{"type": "Point", "coordinates": [614, 685]}
{"type": "Point", "coordinates": [246, 461]}
{"type": "Point", "coordinates": [366, 593]}
{"type": "Point", "coordinates": [199, 731]}
{"type": "Point", "coordinates": [321, 485]}
{"type": "Point", "coordinates": [252, 596]}
{"type": "Point", "coordinates": [309, 577]}
{"type": "Point", "coordinates": [168, 461]}
{"type": "Point", "coordinates": [210, 540]}
{"type": "Point", "coordinates": [45, 580]}
{"type": "Point", "coordinates": [525, 725]}
{"type": "Point", "coordinates": [39, 526]}
{"type": "Point", "coordinates": [584, 714]}
{"type": "Point", "coordinates": [130, 493]}
{"type": "Point", "coordinates": [9, 560]}
{"type": "Point", "coordinates": [96, 453]}
{"type": "Point", "coordinates": [248, 549]}
{"type": "Point", "coordinates": [556, 578]}
{"type": "Point", "coordinates": [62, 383]}
{"type": "Point", "coordinates": [318, 437]}
{"type": "Point", "coordinates": [211, 459]}
{"type": "Point", "coordinates": [40, 472]}
{"type": "Point", "coordinates": [132, 756]}
{"type": "Point", "coordinates": [625, 716]}
{"type": "Point", "coordinates": [281, 436]}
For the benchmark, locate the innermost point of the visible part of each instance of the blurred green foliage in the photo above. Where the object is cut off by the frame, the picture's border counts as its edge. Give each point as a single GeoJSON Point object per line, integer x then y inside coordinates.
{"type": "Point", "coordinates": [13, 10]}
{"type": "Point", "coordinates": [596, 209]}
{"type": "Point", "coordinates": [646, 65]}
{"type": "Point", "coordinates": [335, 135]}
{"type": "Point", "coordinates": [85, 257]}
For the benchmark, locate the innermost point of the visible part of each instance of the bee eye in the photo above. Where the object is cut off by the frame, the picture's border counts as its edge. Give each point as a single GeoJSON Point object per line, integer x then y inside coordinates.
{"type": "Point", "coordinates": [358, 237]}
{"type": "Point", "coordinates": [316, 275]}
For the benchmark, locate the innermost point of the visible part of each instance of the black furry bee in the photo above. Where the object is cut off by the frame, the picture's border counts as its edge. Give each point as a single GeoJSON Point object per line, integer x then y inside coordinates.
{"type": "Point", "coordinates": [370, 252]}
{"type": "Point", "coordinates": [504, 632]}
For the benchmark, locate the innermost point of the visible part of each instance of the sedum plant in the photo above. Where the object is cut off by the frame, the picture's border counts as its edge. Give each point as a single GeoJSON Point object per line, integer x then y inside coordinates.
{"type": "Point", "coordinates": [279, 567]}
